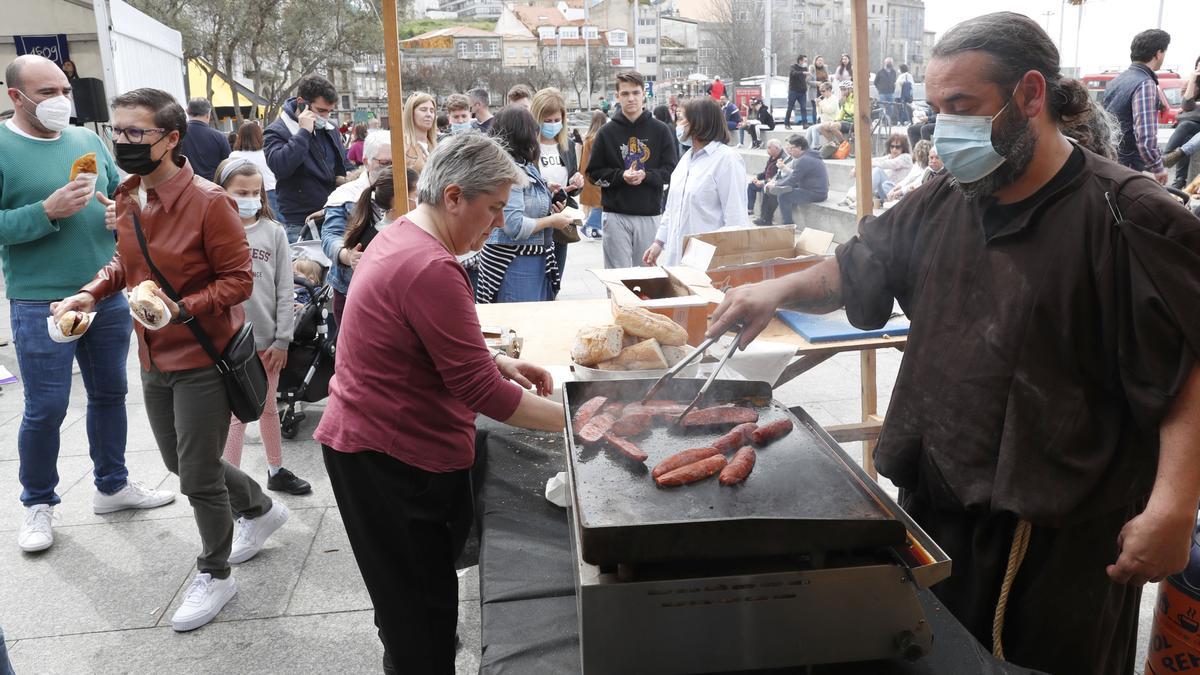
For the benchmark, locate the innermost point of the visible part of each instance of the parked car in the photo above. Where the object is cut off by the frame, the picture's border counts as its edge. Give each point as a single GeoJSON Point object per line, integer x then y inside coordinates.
{"type": "Point", "coordinates": [1170, 92]}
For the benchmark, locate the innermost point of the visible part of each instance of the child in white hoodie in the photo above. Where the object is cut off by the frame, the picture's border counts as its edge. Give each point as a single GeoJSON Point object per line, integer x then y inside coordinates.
{"type": "Point", "coordinates": [270, 310]}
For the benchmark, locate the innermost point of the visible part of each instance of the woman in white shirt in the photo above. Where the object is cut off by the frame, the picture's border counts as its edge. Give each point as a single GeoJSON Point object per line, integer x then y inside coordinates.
{"type": "Point", "coordinates": [249, 145]}
{"type": "Point", "coordinates": [557, 163]}
{"type": "Point", "coordinates": [827, 108]}
{"type": "Point", "coordinates": [706, 187]}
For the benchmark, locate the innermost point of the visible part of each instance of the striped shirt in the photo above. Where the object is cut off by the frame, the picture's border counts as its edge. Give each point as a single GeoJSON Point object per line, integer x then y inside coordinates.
{"type": "Point", "coordinates": [1145, 124]}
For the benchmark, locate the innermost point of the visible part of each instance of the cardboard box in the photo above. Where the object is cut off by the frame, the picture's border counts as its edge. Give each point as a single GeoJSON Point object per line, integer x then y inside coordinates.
{"type": "Point", "coordinates": [745, 256]}
{"type": "Point", "coordinates": [682, 294]}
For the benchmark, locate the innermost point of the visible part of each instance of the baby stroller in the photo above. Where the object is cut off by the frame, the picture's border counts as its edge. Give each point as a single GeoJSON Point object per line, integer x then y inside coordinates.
{"type": "Point", "coordinates": [310, 362]}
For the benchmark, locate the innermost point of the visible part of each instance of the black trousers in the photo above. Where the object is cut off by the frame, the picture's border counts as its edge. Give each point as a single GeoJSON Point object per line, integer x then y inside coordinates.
{"type": "Point", "coordinates": [917, 132]}
{"type": "Point", "coordinates": [1065, 616]}
{"type": "Point", "coordinates": [406, 527]}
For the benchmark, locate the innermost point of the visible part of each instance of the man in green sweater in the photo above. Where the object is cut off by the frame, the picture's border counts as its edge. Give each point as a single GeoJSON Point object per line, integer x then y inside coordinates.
{"type": "Point", "coordinates": [52, 240]}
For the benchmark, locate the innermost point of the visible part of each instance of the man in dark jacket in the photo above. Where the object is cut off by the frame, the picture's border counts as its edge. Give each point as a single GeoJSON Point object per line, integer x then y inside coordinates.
{"type": "Point", "coordinates": [632, 159]}
{"type": "Point", "coordinates": [1133, 97]}
{"type": "Point", "coordinates": [806, 180]}
{"type": "Point", "coordinates": [204, 146]}
{"type": "Point", "coordinates": [885, 84]}
{"type": "Point", "coordinates": [304, 150]}
{"type": "Point", "coordinates": [797, 89]}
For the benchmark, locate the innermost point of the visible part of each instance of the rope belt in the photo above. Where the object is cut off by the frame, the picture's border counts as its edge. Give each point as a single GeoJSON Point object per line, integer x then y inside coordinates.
{"type": "Point", "coordinates": [1016, 554]}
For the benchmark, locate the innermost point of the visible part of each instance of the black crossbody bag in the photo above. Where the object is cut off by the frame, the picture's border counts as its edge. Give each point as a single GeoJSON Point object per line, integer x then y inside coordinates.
{"type": "Point", "coordinates": [240, 367]}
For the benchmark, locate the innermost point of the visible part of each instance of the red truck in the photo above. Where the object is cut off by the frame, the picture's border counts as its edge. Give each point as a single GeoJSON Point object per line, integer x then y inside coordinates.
{"type": "Point", "coordinates": [1170, 92]}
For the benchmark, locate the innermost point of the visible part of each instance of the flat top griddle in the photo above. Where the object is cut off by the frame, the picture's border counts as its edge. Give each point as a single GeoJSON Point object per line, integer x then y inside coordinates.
{"type": "Point", "coordinates": [800, 499]}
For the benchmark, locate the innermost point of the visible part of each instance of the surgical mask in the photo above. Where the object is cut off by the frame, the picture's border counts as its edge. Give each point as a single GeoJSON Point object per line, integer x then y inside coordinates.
{"type": "Point", "coordinates": [551, 129]}
{"type": "Point", "coordinates": [964, 142]}
{"type": "Point", "coordinates": [136, 157]}
{"type": "Point", "coordinates": [54, 113]}
{"type": "Point", "coordinates": [460, 127]}
{"type": "Point", "coordinates": [248, 207]}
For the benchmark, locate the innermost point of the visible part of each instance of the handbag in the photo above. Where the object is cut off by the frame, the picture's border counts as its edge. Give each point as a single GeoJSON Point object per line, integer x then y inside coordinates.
{"type": "Point", "coordinates": [843, 151]}
{"type": "Point", "coordinates": [240, 367]}
{"type": "Point", "coordinates": [570, 233]}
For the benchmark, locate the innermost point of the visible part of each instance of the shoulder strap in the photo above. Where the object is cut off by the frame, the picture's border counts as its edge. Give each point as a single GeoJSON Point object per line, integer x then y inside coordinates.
{"type": "Point", "coordinates": [191, 323]}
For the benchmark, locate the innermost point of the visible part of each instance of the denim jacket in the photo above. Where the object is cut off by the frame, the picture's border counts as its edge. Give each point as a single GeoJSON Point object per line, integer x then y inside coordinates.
{"type": "Point", "coordinates": [522, 211]}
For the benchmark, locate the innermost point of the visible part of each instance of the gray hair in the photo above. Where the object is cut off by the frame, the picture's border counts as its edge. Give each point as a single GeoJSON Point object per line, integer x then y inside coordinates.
{"type": "Point", "coordinates": [476, 163]}
{"type": "Point", "coordinates": [198, 107]}
{"type": "Point", "coordinates": [480, 95]}
{"type": "Point", "coordinates": [374, 143]}
{"type": "Point", "coordinates": [774, 143]}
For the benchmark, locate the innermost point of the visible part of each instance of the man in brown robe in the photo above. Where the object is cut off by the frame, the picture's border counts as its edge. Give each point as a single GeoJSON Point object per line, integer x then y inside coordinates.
{"type": "Point", "coordinates": [1049, 392]}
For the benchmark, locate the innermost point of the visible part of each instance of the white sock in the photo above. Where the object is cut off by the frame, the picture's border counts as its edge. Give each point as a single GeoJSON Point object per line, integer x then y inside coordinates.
{"type": "Point", "coordinates": [272, 470]}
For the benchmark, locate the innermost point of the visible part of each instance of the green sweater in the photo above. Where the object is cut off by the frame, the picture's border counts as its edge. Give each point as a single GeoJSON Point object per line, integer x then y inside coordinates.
{"type": "Point", "coordinates": [45, 259]}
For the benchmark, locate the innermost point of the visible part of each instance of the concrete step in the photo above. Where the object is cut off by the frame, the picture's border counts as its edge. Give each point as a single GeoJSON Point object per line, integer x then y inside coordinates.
{"type": "Point", "coordinates": [842, 221]}
{"type": "Point", "coordinates": [838, 169]}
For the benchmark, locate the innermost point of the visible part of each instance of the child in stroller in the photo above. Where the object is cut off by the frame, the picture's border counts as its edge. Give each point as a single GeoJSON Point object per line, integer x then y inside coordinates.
{"type": "Point", "coordinates": [309, 367]}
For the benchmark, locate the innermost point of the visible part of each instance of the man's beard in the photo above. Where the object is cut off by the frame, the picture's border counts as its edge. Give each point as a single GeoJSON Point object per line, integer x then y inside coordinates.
{"type": "Point", "coordinates": [1016, 142]}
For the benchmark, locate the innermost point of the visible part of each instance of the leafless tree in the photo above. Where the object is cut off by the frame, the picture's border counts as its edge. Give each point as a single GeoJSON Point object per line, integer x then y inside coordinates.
{"type": "Point", "coordinates": [739, 38]}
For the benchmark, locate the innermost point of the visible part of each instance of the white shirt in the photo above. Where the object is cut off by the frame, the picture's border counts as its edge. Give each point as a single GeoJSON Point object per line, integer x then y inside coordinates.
{"type": "Point", "coordinates": [708, 192]}
{"type": "Point", "coordinates": [12, 126]}
{"type": "Point", "coordinates": [552, 166]}
{"type": "Point", "coordinates": [259, 159]}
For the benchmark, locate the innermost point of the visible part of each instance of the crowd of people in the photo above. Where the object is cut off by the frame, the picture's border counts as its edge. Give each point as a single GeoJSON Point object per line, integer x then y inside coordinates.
{"type": "Point", "coordinates": [495, 199]}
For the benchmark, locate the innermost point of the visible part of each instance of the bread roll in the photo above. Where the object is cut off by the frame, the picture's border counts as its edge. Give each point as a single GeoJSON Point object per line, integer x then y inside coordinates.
{"type": "Point", "coordinates": [73, 323]}
{"type": "Point", "coordinates": [645, 355]}
{"type": "Point", "coordinates": [646, 324]}
{"type": "Point", "coordinates": [145, 302]}
{"type": "Point", "coordinates": [675, 354]}
{"type": "Point", "coordinates": [84, 164]}
{"type": "Point", "coordinates": [594, 344]}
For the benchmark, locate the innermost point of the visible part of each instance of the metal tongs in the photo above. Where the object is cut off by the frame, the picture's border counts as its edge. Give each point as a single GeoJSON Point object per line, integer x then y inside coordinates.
{"type": "Point", "coordinates": [696, 353]}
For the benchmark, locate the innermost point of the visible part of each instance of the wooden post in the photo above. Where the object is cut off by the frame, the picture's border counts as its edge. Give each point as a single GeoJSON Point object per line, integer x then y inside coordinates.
{"type": "Point", "coordinates": [391, 49]}
{"type": "Point", "coordinates": [870, 404]}
{"type": "Point", "coordinates": [862, 114]}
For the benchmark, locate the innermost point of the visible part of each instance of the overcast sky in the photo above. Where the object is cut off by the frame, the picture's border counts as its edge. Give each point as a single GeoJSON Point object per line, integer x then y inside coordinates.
{"type": "Point", "coordinates": [1108, 26]}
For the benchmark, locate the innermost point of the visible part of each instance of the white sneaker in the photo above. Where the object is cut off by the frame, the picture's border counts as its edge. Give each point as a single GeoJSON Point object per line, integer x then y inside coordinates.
{"type": "Point", "coordinates": [36, 533]}
{"type": "Point", "coordinates": [202, 601]}
{"type": "Point", "coordinates": [251, 534]}
{"type": "Point", "coordinates": [133, 496]}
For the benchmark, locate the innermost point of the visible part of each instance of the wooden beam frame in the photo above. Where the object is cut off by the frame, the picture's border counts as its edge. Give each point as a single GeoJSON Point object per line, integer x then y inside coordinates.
{"type": "Point", "coordinates": [391, 49]}
{"type": "Point", "coordinates": [862, 114]}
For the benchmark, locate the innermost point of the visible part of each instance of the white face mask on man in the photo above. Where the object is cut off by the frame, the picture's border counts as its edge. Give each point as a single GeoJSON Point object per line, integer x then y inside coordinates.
{"type": "Point", "coordinates": [53, 113]}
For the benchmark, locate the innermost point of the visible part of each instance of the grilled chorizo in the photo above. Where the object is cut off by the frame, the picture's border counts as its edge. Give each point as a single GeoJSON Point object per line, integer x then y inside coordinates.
{"type": "Point", "coordinates": [625, 447]}
{"type": "Point", "coordinates": [587, 411]}
{"type": "Point", "coordinates": [596, 427]}
{"type": "Point", "coordinates": [691, 473]}
{"type": "Point", "coordinates": [721, 415]}
{"type": "Point", "coordinates": [739, 467]}
{"type": "Point", "coordinates": [681, 459]}
{"type": "Point", "coordinates": [632, 424]}
{"type": "Point", "coordinates": [773, 431]}
{"type": "Point", "coordinates": [736, 438]}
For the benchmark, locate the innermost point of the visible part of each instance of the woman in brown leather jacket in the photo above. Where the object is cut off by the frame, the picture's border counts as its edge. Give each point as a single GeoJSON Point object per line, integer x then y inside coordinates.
{"type": "Point", "coordinates": [196, 240]}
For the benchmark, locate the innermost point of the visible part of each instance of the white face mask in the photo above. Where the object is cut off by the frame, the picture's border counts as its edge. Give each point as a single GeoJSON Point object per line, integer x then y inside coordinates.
{"type": "Point", "coordinates": [248, 206]}
{"type": "Point", "coordinates": [54, 113]}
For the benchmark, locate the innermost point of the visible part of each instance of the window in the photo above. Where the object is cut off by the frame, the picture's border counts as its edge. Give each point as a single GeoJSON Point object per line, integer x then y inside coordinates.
{"type": "Point", "coordinates": [526, 52]}
{"type": "Point", "coordinates": [591, 33]}
{"type": "Point", "coordinates": [617, 38]}
{"type": "Point", "coordinates": [650, 59]}
{"type": "Point", "coordinates": [494, 49]}
{"type": "Point", "coordinates": [645, 22]}
{"type": "Point", "coordinates": [478, 48]}
{"type": "Point", "coordinates": [345, 101]}
{"type": "Point", "coordinates": [568, 33]}
{"type": "Point", "coordinates": [511, 52]}
{"type": "Point", "coordinates": [646, 41]}
{"type": "Point", "coordinates": [550, 55]}
{"type": "Point", "coordinates": [546, 32]}
{"type": "Point", "coordinates": [462, 50]}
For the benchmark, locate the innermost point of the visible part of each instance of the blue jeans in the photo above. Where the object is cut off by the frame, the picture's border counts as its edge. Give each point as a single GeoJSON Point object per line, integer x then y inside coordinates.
{"type": "Point", "coordinates": [880, 185]}
{"type": "Point", "coordinates": [595, 220]}
{"type": "Point", "coordinates": [795, 97]}
{"type": "Point", "coordinates": [526, 281]}
{"type": "Point", "coordinates": [273, 201]}
{"type": "Point", "coordinates": [5, 665]}
{"type": "Point", "coordinates": [46, 374]}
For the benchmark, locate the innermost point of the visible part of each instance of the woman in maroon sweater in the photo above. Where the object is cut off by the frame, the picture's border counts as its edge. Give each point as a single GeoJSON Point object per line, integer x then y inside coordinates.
{"type": "Point", "coordinates": [398, 434]}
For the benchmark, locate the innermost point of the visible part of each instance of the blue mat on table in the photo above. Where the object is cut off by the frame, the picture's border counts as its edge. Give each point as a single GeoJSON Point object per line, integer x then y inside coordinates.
{"type": "Point", "coordinates": [835, 327]}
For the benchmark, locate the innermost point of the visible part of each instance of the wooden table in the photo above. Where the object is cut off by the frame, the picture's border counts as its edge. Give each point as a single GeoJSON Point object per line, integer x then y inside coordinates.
{"type": "Point", "coordinates": [549, 330]}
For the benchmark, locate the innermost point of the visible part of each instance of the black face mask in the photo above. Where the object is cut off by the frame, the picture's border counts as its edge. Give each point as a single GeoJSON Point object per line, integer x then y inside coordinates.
{"type": "Point", "coordinates": [136, 157]}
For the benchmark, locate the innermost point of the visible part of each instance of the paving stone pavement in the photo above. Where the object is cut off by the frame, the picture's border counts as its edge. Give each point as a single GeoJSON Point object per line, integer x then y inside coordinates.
{"type": "Point", "coordinates": [100, 600]}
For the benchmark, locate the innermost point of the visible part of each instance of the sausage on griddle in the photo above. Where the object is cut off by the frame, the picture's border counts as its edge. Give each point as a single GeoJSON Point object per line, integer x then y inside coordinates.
{"type": "Point", "coordinates": [587, 410]}
{"type": "Point", "coordinates": [632, 424]}
{"type": "Point", "coordinates": [721, 415]}
{"type": "Point", "coordinates": [773, 431]}
{"type": "Point", "coordinates": [739, 467]}
{"type": "Point", "coordinates": [625, 447]}
{"type": "Point", "coordinates": [691, 473]}
{"type": "Point", "coordinates": [736, 438]}
{"type": "Point", "coordinates": [613, 408]}
{"type": "Point", "coordinates": [682, 459]}
{"type": "Point", "coordinates": [596, 427]}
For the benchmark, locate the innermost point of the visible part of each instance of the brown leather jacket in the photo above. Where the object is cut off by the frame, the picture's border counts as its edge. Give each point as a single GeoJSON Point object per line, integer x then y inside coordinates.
{"type": "Point", "coordinates": [198, 242]}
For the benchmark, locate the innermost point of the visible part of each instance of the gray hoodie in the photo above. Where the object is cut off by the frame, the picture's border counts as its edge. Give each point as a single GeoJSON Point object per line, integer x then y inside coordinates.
{"type": "Point", "coordinates": [270, 305]}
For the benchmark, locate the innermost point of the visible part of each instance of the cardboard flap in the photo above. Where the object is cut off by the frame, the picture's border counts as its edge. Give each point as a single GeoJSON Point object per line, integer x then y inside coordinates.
{"type": "Point", "coordinates": [742, 245]}
{"type": "Point", "coordinates": [698, 255]}
{"type": "Point", "coordinates": [812, 241]}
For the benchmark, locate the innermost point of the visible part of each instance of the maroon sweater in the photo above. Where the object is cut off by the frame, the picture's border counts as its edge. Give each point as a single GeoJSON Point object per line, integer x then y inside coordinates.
{"type": "Point", "coordinates": [412, 369]}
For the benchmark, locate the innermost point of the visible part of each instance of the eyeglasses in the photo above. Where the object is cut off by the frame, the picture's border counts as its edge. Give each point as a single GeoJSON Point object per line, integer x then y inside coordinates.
{"type": "Point", "coordinates": [131, 134]}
